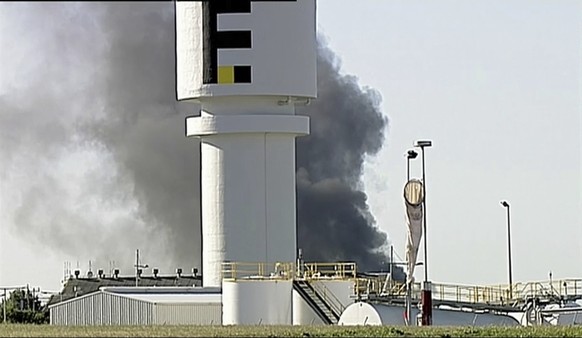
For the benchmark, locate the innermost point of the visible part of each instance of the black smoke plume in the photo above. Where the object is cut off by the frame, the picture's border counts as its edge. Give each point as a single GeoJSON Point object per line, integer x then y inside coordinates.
{"type": "Point", "coordinates": [334, 221]}
{"type": "Point", "coordinates": [94, 161]}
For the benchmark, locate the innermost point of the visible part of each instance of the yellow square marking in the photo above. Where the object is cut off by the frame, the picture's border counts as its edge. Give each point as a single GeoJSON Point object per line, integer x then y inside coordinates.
{"type": "Point", "coordinates": [225, 74]}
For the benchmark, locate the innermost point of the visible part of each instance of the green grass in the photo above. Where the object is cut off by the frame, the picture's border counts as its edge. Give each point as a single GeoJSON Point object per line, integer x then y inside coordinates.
{"type": "Point", "coordinates": [13, 330]}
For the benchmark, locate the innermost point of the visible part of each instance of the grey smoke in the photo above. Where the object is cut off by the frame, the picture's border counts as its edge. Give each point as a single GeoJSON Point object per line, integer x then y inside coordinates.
{"type": "Point", "coordinates": [94, 161]}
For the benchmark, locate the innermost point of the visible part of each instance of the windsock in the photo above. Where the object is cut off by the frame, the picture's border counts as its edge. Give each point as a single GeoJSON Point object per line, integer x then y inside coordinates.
{"type": "Point", "coordinates": [413, 198]}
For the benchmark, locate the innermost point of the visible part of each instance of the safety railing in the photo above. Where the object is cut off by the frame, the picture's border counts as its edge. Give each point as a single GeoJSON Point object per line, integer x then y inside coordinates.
{"type": "Point", "coordinates": [288, 270]}
{"type": "Point", "coordinates": [341, 270]}
{"type": "Point", "coordinates": [494, 295]}
{"type": "Point", "coordinates": [258, 270]}
{"type": "Point", "coordinates": [469, 294]}
{"type": "Point", "coordinates": [377, 287]}
{"type": "Point", "coordinates": [556, 288]}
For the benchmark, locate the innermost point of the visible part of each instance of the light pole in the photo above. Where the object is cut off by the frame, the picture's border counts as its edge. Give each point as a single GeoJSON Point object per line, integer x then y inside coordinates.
{"type": "Point", "coordinates": [506, 206]}
{"type": "Point", "coordinates": [410, 155]}
{"type": "Point", "coordinates": [138, 267]}
{"type": "Point", "coordinates": [426, 296]}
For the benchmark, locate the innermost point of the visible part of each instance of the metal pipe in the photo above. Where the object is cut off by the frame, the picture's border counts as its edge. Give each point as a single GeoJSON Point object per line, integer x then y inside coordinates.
{"type": "Point", "coordinates": [509, 253]}
{"type": "Point", "coordinates": [507, 207]}
{"type": "Point", "coordinates": [424, 217]}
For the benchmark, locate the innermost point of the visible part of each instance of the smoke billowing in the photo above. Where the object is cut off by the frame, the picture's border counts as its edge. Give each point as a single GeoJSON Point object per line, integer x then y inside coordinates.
{"type": "Point", "coordinates": [93, 158]}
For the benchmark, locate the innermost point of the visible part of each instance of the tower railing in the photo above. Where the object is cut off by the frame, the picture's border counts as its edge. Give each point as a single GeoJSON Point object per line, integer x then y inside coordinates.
{"type": "Point", "coordinates": [288, 270]}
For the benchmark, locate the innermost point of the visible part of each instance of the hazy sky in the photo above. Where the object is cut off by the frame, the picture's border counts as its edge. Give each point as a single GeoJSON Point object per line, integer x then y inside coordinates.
{"type": "Point", "coordinates": [496, 85]}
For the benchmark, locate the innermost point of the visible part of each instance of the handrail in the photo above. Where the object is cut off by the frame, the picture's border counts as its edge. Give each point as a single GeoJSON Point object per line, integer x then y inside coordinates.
{"type": "Point", "coordinates": [494, 295]}
{"type": "Point", "coordinates": [287, 270]}
{"type": "Point", "coordinates": [343, 270]}
{"type": "Point", "coordinates": [258, 270]}
{"type": "Point", "coordinates": [329, 298]}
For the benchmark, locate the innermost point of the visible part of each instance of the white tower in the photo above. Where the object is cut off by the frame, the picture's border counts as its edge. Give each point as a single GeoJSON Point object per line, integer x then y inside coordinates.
{"type": "Point", "coordinates": [247, 63]}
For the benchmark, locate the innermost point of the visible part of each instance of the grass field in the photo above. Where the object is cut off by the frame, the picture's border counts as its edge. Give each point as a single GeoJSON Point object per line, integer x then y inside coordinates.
{"type": "Point", "coordinates": [12, 330]}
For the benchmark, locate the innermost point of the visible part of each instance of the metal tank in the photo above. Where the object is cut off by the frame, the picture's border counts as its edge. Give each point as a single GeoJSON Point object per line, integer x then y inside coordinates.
{"type": "Point", "coordinates": [247, 63]}
{"type": "Point", "coordinates": [362, 313]}
{"type": "Point", "coordinates": [257, 302]}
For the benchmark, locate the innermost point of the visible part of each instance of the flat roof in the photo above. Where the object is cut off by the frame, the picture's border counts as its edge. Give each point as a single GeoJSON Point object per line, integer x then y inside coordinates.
{"type": "Point", "coordinates": [169, 298]}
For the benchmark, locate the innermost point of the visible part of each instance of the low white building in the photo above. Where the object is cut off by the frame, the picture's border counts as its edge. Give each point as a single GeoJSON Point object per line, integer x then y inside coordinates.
{"type": "Point", "coordinates": [141, 306]}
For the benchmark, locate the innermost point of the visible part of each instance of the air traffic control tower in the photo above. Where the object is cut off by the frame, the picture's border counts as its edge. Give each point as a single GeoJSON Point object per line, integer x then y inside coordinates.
{"type": "Point", "coordinates": [247, 63]}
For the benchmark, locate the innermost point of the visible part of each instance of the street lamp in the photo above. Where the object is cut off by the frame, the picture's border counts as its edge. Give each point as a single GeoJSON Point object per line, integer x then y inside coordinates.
{"type": "Point", "coordinates": [410, 155]}
{"type": "Point", "coordinates": [426, 292]}
{"type": "Point", "coordinates": [506, 205]}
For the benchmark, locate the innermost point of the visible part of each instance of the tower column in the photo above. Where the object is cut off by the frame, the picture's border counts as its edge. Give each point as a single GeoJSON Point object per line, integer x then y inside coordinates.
{"type": "Point", "coordinates": [247, 182]}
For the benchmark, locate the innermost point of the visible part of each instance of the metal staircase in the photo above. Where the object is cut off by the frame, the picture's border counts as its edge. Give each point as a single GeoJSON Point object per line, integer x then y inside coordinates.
{"type": "Point", "coordinates": [316, 301]}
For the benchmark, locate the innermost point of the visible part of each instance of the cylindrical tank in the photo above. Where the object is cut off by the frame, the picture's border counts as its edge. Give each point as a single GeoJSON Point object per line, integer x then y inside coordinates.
{"type": "Point", "coordinates": [560, 317]}
{"type": "Point", "coordinates": [338, 292]}
{"type": "Point", "coordinates": [255, 302]}
{"type": "Point", "coordinates": [247, 63]}
{"type": "Point", "coordinates": [303, 314]}
{"type": "Point", "coordinates": [362, 313]}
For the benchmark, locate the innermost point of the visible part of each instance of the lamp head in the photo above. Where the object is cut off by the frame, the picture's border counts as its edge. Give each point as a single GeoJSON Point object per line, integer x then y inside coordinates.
{"type": "Point", "coordinates": [505, 204]}
{"type": "Point", "coordinates": [411, 154]}
{"type": "Point", "coordinates": [423, 143]}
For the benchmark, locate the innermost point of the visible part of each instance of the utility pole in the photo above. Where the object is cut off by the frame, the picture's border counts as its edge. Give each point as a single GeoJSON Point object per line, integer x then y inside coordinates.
{"type": "Point", "coordinates": [138, 267]}
{"type": "Point", "coordinates": [391, 265]}
{"type": "Point", "coordinates": [4, 306]}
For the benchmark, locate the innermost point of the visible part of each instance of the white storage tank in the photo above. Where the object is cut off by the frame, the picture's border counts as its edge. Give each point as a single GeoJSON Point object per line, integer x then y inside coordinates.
{"type": "Point", "coordinates": [564, 318]}
{"type": "Point", "coordinates": [362, 313]}
{"type": "Point", "coordinates": [257, 302]}
{"type": "Point", "coordinates": [337, 292]}
{"type": "Point", "coordinates": [303, 314]}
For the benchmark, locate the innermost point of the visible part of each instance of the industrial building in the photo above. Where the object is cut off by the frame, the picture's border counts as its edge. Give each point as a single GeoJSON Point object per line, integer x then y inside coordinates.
{"type": "Point", "coordinates": [141, 306]}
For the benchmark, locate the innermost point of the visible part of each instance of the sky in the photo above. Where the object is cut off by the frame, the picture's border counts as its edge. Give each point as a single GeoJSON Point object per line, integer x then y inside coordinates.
{"type": "Point", "coordinates": [496, 85]}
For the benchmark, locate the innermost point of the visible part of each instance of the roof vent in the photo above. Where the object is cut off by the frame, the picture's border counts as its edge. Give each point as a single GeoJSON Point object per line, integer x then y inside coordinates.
{"type": "Point", "coordinates": [194, 272]}
{"type": "Point", "coordinates": [156, 271]}
{"type": "Point", "coordinates": [179, 272]}
{"type": "Point", "coordinates": [77, 273]}
{"type": "Point", "coordinates": [115, 273]}
{"type": "Point", "coordinates": [100, 273]}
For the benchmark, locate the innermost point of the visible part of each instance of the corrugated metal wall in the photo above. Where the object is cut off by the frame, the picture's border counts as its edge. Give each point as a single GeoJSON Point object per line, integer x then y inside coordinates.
{"type": "Point", "coordinates": [188, 314]}
{"type": "Point", "coordinates": [102, 309]}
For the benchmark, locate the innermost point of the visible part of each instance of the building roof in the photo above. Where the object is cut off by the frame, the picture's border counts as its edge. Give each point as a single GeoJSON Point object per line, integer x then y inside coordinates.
{"type": "Point", "coordinates": [76, 287]}
{"type": "Point", "coordinates": [176, 297]}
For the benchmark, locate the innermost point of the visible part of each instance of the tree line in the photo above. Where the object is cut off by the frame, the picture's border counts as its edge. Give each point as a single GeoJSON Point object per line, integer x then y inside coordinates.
{"type": "Point", "coordinates": [23, 306]}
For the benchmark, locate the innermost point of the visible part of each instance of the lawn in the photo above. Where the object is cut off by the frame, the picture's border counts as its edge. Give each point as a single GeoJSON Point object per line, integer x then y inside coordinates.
{"type": "Point", "coordinates": [12, 330]}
